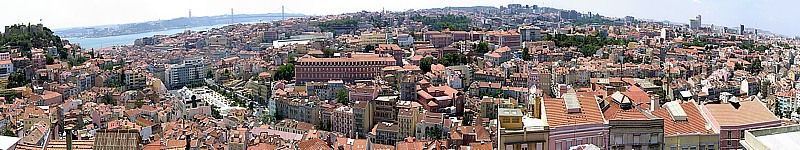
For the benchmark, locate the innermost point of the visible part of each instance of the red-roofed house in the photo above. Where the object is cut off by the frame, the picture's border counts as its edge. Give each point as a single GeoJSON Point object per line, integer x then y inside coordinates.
{"type": "Point", "coordinates": [574, 118]}
{"type": "Point", "coordinates": [732, 119]}
{"type": "Point", "coordinates": [684, 126]}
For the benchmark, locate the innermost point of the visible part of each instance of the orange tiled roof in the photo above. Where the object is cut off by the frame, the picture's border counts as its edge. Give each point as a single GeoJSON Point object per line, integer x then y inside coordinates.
{"type": "Point", "coordinates": [726, 114]}
{"type": "Point", "coordinates": [557, 115]}
{"type": "Point", "coordinates": [615, 112]}
{"type": "Point", "coordinates": [695, 123]}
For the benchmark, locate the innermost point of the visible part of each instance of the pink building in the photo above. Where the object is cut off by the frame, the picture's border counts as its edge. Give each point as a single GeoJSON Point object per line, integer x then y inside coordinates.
{"type": "Point", "coordinates": [38, 60]}
{"type": "Point", "coordinates": [732, 119]}
{"type": "Point", "coordinates": [349, 68]}
{"type": "Point", "coordinates": [505, 38]}
{"type": "Point", "coordinates": [440, 40]}
{"type": "Point", "coordinates": [461, 35]}
{"type": "Point", "coordinates": [45, 98]}
{"type": "Point", "coordinates": [364, 93]}
{"type": "Point", "coordinates": [575, 119]}
{"type": "Point", "coordinates": [342, 121]}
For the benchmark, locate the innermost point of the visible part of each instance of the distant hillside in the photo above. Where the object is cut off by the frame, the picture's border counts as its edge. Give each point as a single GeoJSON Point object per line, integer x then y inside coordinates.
{"type": "Point", "coordinates": [161, 25]}
{"type": "Point", "coordinates": [26, 37]}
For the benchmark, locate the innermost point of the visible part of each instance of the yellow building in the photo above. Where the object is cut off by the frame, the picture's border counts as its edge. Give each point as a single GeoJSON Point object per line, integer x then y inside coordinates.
{"type": "Point", "coordinates": [519, 131]}
{"type": "Point", "coordinates": [510, 118]}
{"type": "Point", "coordinates": [406, 119]}
{"type": "Point", "coordinates": [374, 38]}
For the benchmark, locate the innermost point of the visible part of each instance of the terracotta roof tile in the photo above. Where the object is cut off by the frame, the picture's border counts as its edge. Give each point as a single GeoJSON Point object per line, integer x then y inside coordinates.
{"type": "Point", "coordinates": [749, 112]}
{"type": "Point", "coordinates": [695, 123]}
{"type": "Point", "coordinates": [556, 111]}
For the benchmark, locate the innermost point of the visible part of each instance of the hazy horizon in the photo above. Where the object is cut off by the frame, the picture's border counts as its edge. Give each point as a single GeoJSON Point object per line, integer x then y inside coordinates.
{"type": "Point", "coordinates": [771, 15]}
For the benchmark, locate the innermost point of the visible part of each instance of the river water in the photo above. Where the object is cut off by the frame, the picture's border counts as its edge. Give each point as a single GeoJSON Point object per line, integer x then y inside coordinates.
{"type": "Point", "coordinates": [96, 43]}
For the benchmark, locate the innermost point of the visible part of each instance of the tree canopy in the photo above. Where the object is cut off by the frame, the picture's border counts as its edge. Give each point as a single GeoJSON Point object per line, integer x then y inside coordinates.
{"type": "Point", "coordinates": [525, 55]}
{"type": "Point", "coordinates": [285, 72]}
{"type": "Point", "coordinates": [588, 45]}
{"type": "Point", "coordinates": [327, 52]}
{"type": "Point", "coordinates": [343, 96]}
{"type": "Point", "coordinates": [438, 23]}
{"type": "Point", "coordinates": [482, 47]}
{"type": "Point", "coordinates": [425, 64]}
{"type": "Point", "coordinates": [451, 59]}
{"type": "Point", "coordinates": [26, 37]}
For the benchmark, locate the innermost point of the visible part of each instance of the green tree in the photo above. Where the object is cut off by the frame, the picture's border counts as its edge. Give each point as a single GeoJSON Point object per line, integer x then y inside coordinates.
{"type": "Point", "coordinates": [327, 52]}
{"type": "Point", "coordinates": [7, 132]}
{"type": "Point", "coordinates": [425, 64]}
{"type": "Point", "coordinates": [9, 95]}
{"type": "Point", "coordinates": [209, 72]}
{"type": "Point", "coordinates": [139, 103]}
{"type": "Point", "coordinates": [285, 72]}
{"type": "Point", "coordinates": [369, 48]}
{"type": "Point", "coordinates": [107, 100]}
{"type": "Point", "coordinates": [17, 80]}
{"type": "Point", "coordinates": [525, 55]}
{"type": "Point", "coordinates": [49, 59]}
{"type": "Point", "coordinates": [738, 66]}
{"type": "Point", "coordinates": [76, 61]}
{"type": "Point", "coordinates": [662, 95]}
{"type": "Point", "coordinates": [755, 66]}
{"type": "Point", "coordinates": [451, 59]}
{"type": "Point", "coordinates": [441, 22]}
{"type": "Point", "coordinates": [434, 133]}
{"type": "Point", "coordinates": [467, 120]}
{"type": "Point", "coordinates": [18, 37]}
{"type": "Point", "coordinates": [215, 113]}
{"type": "Point", "coordinates": [588, 45]}
{"type": "Point", "coordinates": [482, 47]}
{"type": "Point", "coordinates": [343, 96]}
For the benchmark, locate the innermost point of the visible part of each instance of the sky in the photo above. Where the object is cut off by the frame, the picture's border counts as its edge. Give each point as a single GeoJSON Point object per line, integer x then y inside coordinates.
{"type": "Point", "coordinates": [777, 16]}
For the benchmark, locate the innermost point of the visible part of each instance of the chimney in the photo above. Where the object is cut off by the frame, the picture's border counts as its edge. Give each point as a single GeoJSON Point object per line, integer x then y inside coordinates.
{"type": "Point", "coordinates": [537, 108]}
{"type": "Point", "coordinates": [735, 103]}
{"type": "Point", "coordinates": [188, 139]}
{"type": "Point", "coordinates": [655, 102]}
{"type": "Point", "coordinates": [69, 138]}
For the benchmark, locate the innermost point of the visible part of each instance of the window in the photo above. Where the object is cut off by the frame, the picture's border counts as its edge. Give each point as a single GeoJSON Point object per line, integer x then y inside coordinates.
{"type": "Point", "coordinates": [509, 147]}
{"type": "Point", "coordinates": [514, 120]}
{"type": "Point", "coordinates": [506, 120]}
{"type": "Point", "coordinates": [524, 146]}
{"type": "Point", "coordinates": [569, 144]}
{"type": "Point", "coordinates": [741, 135]}
{"type": "Point", "coordinates": [558, 145]}
{"type": "Point", "coordinates": [730, 134]}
